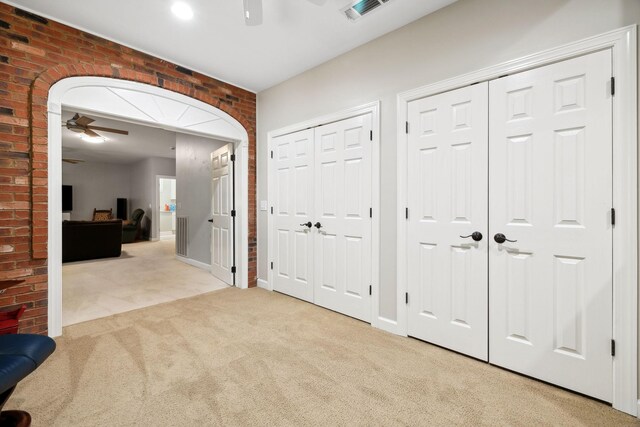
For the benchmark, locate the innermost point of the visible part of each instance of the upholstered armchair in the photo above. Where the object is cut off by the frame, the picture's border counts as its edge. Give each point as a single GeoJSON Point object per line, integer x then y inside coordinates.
{"type": "Point", "coordinates": [131, 229]}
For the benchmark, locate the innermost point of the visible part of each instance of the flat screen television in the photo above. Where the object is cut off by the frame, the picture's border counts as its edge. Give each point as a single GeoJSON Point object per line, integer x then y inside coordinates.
{"type": "Point", "coordinates": [67, 198]}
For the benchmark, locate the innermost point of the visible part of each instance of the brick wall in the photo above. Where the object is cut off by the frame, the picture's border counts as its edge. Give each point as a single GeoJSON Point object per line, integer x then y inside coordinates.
{"type": "Point", "coordinates": [35, 53]}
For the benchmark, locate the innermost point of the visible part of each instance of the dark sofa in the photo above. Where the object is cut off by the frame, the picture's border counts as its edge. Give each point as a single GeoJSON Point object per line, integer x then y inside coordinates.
{"type": "Point", "coordinates": [82, 240]}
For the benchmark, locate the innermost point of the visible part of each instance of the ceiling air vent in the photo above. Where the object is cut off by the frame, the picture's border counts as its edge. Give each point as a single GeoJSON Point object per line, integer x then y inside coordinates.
{"type": "Point", "coordinates": [360, 8]}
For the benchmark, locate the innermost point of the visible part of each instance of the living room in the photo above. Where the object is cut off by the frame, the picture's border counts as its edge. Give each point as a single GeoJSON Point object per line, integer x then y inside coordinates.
{"type": "Point", "coordinates": [122, 192]}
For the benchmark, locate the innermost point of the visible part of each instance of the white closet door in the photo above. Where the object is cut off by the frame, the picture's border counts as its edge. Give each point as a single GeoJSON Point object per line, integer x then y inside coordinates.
{"type": "Point", "coordinates": [447, 194]}
{"type": "Point", "coordinates": [342, 260]}
{"type": "Point", "coordinates": [550, 190]}
{"type": "Point", "coordinates": [222, 232]}
{"type": "Point", "coordinates": [293, 246]}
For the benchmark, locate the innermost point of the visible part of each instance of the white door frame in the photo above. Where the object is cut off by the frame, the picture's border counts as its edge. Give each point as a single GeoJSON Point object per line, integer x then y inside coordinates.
{"type": "Point", "coordinates": [156, 224]}
{"type": "Point", "coordinates": [622, 43]}
{"type": "Point", "coordinates": [372, 108]}
{"type": "Point", "coordinates": [234, 132]}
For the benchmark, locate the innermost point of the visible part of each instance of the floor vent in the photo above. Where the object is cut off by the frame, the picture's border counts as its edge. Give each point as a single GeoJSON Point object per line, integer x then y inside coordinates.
{"type": "Point", "coordinates": [360, 8]}
{"type": "Point", "coordinates": [181, 235]}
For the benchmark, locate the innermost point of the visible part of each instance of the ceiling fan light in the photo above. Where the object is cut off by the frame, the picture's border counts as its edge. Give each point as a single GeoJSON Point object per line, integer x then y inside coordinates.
{"type": "Point", "coordinates": [94, 139]}
{"type": "Point", "coordinates": [182, 10]}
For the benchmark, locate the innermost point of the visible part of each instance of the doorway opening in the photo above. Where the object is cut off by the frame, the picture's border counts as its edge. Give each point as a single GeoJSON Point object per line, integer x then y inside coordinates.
{"type": "Point", "coordinates": [142, 104]}
{"type": "Point", "coordinates": [166, 186]}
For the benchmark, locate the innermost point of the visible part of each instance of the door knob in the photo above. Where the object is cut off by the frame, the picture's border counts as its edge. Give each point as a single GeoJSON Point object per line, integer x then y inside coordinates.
{"type": "Point", "coordinates": [501, 238]}
{"type": "Point", "coordinates": [306, 224]}
{"type": "Point", "coordinates": [317, 225]}
{"type": "Point", "coordinates": [476, 235]}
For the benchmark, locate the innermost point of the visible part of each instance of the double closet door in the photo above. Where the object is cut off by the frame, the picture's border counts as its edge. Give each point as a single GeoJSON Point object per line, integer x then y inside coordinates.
{"type": "Point", "coordinates": [509, 229]}
{"type": "Point", "coordinates": [322, 217]}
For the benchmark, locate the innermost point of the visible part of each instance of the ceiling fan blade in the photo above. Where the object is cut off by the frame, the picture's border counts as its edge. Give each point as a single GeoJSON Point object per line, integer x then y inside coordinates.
{"type": "Point", "coordinates": [252, 12]}
{"type": "Point", "coordinates": [121, 132]}
{"type": "Point", "coordinates": [73, 161]}
{"type": "Point", "coordinates": [91, 133]}
{"type": "Point", "coordinates": [75, 117]}
{"type": "Point", "coordinates": [84, 120]}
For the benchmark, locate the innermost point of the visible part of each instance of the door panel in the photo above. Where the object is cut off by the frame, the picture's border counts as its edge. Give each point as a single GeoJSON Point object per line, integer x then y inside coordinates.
{"type": "Point", "coordinates": [222, 232]}
{"type": "Point", "coordinates": [447, 194]}
{"type": "Point", "coordinates": [343, 199]}
{"type": "Point", "coordinates": [551, 190]}
{"type": "Point", "coordinates": [293, 263]}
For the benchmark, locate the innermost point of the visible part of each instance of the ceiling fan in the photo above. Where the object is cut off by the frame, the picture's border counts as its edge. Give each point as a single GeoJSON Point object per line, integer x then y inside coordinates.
{"type": "Point", "coordinates": [253, 10]}
{"type": "Point", "coordinates": [72, 161]}
{"type": "Point", "coordinates": [80, 124]}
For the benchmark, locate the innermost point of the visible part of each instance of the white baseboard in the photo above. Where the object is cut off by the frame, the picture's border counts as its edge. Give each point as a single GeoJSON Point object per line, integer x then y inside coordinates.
{"type": "Point", "coordinates": [263, 284]}
{"type": "Point", "coordinates": [387, 325]}
{"type": "Point", "coordinates": [638, 413]}
{"type": "Point", "coordinates": [194, 263]}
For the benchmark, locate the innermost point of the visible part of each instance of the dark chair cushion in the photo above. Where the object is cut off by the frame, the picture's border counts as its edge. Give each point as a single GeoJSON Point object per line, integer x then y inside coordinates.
{"type": "Point", "coordinates": [20, 355]}
{"type": "Point", "coordinates": [14, 369]}
{"type": "Point", "coordinates": [35, 347]}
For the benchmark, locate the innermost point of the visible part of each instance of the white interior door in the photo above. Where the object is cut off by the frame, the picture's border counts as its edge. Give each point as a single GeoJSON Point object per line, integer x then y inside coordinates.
{"type": "Point", "coordinates": [342, 260]}
{"type": "Point", "coordinates": [551, 192]}
{"type": "Point", "coordinates": [293, 159]}
{"type": "Point", "coordinates": [447, 199]}
{"type": "Point", "coordinates": [221, 206]}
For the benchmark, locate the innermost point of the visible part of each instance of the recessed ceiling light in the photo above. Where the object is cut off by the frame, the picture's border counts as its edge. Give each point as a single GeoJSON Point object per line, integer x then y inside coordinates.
{"type": "Point", "coordinates": [94, 139]}
{"type": "Point", "coordinates": [182, 10]}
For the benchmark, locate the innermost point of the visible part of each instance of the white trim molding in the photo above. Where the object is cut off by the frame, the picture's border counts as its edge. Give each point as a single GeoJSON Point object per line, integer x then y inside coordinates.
{"type": "Point", "coordinates": [263, 284]}
{"type": "Point", "coordinates": [194, 263]}
{"type": "Point", "coordinates": [372, 108]}
{"type": "Point", "coordinates": [230, 130]}
{"type": "Point", "coordinates": [622, 43]}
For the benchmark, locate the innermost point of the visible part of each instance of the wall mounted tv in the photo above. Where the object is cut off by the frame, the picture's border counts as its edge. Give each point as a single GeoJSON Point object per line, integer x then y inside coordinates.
{"type": "Point", "coordinates": [67, 198]}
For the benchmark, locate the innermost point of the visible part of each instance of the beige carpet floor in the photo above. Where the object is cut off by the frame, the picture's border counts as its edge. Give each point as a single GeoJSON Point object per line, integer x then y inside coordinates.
{"type": "Point", "coordinates": [147, 273]}
{"type": "Point", "coordinates": [252, 357]}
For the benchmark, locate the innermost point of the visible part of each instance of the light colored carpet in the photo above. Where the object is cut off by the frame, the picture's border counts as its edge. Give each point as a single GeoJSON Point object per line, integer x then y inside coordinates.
{"type": "Point", "coordinates": [147, 273]}
{"type": "Point", "coordinates": [252, 357]}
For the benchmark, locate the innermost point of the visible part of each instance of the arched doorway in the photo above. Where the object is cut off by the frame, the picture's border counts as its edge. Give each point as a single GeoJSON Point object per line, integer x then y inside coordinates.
{"type": "Point", "coordinates": [145, 104]}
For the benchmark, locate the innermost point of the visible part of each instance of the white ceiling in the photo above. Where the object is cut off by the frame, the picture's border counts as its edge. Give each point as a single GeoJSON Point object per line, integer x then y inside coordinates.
{"type": "Point", "coordinates": [296, 35]}
{"type": "Point", "coordinates": [141, 143]}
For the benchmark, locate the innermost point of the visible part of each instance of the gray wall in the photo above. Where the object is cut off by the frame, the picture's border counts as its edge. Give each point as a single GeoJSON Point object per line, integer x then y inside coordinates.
{"type": "Point", "coordinates": [463, 37]}
{"type": "Point", "coordinates": [95, 185]}
{"type": "Point", "coordinates": [143, 188]}
{"type": "Point", "coordinates": [193, 191]}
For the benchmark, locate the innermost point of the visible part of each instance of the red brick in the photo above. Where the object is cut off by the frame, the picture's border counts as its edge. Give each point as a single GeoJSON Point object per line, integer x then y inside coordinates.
{"type": "Point", "coordinates": [56, 51]}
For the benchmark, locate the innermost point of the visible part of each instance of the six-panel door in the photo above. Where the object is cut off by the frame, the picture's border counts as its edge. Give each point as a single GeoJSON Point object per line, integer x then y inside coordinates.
{"type": "Point", "coordinates": [342, 256]}
{"type": "Point", "coordinates": [551, 191]}
{"type": "Point", "coordinates": [221, 232]}
{"type": "Point", "coordinates": [447, 199]}
{"type": "Point", "coordinates": [293, 242]}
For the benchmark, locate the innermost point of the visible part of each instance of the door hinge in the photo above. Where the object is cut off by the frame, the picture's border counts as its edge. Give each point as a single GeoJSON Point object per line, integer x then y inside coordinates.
{"type": "Point", "coordinates": [370, 212]}
{"type": "Point", "coordinates": [369, 289]}
{"type": "Point", "coordinates": [233, 269]}
{"type": "Point", "coordinates": [271, 210]}
{"type": "Point", "coordinates": [613, 216]}
{"type": "Point", "coordinates": [613, 86]}
{"type": "Point", "coordinates": [233, 212]}
{"type": "Point", "coordinates": [272, 154]}
{"type": "Point", "coordinates": [406, 297]}
{"type": "Point", "coordinates": [370, 135]}
{"type": "Point", "coordinates": [613, 347]}
{"type": "Point", "coordinates": [406, 127]}
{"type": "Point", "coordinates": [233, 157]}
{"type": "Point", "coordinates": [272, 265]}
{"type": "Point", "coordinates": [406, 213]}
